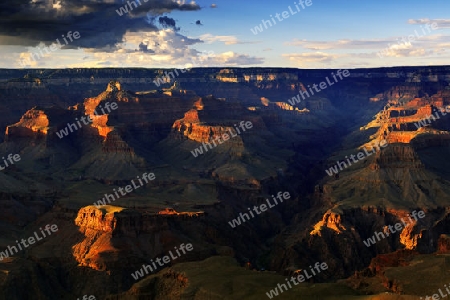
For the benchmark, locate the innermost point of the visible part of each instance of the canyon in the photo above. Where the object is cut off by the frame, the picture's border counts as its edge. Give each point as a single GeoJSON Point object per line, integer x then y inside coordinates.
{"type": "Point", "coordinates": [192, 198]}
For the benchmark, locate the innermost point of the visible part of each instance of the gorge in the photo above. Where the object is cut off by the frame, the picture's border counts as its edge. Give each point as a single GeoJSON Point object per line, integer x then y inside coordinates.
{"type": "Point", "coordinates": [192, 198]}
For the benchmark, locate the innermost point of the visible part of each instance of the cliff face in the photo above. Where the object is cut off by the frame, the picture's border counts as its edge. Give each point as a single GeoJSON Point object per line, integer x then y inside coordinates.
{"type": "Point", "coordinates": [142, 119]}
{"type": "Point", "coordinates": [210, 119]}
{"type": "Point", "coordinates": [28, 88]}
{"type": "Point", "coordinates": [341, 235]}
{"type": "Point", "coordinates": [37, 123]}
{"type": "Point", "coordinates": [403, 119]}
{"type": "Point", "coordinates": [100, 243]}
{"type": "Point", "coordinates": [381, 189]}
{"type": "Point", "coordinates": [116, 240]}
{"type": "Point", "coordinates": [103, 227]}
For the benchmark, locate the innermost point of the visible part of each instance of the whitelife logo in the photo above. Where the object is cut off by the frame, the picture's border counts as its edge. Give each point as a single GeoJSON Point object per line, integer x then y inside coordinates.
{"type": "Point", "coordinates": [65, 132]}
{"type": "Point", "coordinates": [436, 116]}
{"type": "Point", "coordinates": [165, 259]}
{"type": "Point", "coordinates": [195, 61]}
{"type": "Point", "coordinates": [274, 292]}
{"type": "Point", "coordinates": [285, 14]}
{"type": "Point", "coordinates": [53, 47]}
{"type": "Point", "coordinates": [360, 156]}
{"type": "Point", "coordinates": [262, 207]}
{"type": "Point", "coordinates": [407, 40]}
{"type": "Point", "coordinates": [398, 227]}
{"type": "Point", "coordinates": [86, 297]}
{"type": "Point", "coordinates": [31, 240]}
{"type": "Point", "coordinates": [323, 85]}
{"type": "Point", "coordinates": [128, 189]}
{"type": "Point", "coordinates": [124, 9]}
{"type": "Point", "coordinates": [197, 151]}
{"type": "Point", "coordinates": [15, 157]}
{"type": "Point", "coordinates": [436, 296]}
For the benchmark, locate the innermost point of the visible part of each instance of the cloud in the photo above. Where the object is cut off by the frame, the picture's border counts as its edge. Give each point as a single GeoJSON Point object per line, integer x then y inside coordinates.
{"type": "Point", "coordinates": [158, 49]}
{"type": "Point", "coordinates": [422, 46]}
{"type": "Point", "coordinates": [167, 22]}
{"type": "Point", "coordinates": [26, 60]}
{"type": "Point", "coordinates": [231, 58]}
{"type": "Point", "coordinates": [194, 59]}
{"type": "Point", "coordinates": [340, 44]}
{"type": "Point", "coordinates": [28, 22]}
{"type": "Point", "coordinates": [307, 59]}
{"type": "Point", "coordinates": [442, 23]}
{"type": "Point", "coordinates": [227, 39]}
{"type": "Point", "coordinates": [143, 47]}
{"type": "Point", "coordinates": [164, 42]}
{"type": "Point", "coordinates": [406, 50]}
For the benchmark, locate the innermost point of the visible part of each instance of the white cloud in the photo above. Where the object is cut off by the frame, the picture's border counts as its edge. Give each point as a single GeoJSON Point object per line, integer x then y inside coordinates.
{"type": "Point", "coordinates": [226, 39]}
{"type": "Point", "coordinates": [339, 44]}
{"type": "Point", "coordinates": [337, 51]}
{"type": "Point", "coordinates": [231, 58]}
{"type": "Point", "coordinates": [442, 23]}
{"type": "Point", "coordinates": [163, 48]}
{"type": "Point", "coordinates": [311, 59]}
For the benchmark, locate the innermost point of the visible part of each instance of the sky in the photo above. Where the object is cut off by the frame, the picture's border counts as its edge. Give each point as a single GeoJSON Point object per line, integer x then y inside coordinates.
{"type": "Point", "coordinates": [224, 33]}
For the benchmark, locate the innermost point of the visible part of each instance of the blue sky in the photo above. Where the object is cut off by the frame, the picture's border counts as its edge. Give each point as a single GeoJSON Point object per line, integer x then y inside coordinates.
{"type": "Point", "coordinates": [326, 34]}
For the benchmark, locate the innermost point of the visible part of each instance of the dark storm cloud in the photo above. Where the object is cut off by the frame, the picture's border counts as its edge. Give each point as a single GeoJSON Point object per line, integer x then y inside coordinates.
{"type": "Point", "coordinates": [162, 6]}
{"type": "Point", "coordinates": [167, 22]}
{"type": "Point", "coordinates": [28, 22]}
{"type": "Point", "coordinates": [144, 48]}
